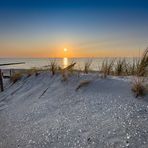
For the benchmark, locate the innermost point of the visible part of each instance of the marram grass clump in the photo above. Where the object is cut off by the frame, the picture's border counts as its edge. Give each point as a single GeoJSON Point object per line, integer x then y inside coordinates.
{"type": "Point", "coordinates": [32, 71]}
{"type": "Point", "coordinates": [107, 68]}
{"type": "Point", "coordinates": [53, 67]}
{"type": "Point", "coordinates": [138, 87]}
{"type": "Point", "coordinates": [16, 77]}
{"type": "Point", "coordinates": [87, 65]}
{"type": "Point", "coordinates": [120, 67]}
{"type": "Point", "coordinates": [142, 67]}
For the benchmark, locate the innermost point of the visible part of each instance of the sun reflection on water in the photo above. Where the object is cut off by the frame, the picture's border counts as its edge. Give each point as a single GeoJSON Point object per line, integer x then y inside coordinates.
{"type": "Point", "coordinates": [65, 62]}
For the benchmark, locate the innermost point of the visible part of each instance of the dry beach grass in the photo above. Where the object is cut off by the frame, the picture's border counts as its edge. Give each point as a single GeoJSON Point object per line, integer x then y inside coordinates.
{"type": "Point", "coordinates": [117, 67]}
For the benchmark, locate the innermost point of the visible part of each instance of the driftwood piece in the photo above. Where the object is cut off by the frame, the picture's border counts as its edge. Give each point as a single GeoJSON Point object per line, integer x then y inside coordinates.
{"type": "Point", "coordinates": [69, 67]}
{"type": "Point", "coordinates": [82, 84]}
{"type": "Point", "coordinates": [66, 70]}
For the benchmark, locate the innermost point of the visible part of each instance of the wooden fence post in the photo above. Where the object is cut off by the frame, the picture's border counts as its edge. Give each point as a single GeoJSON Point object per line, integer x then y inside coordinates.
{"type": "Point", "coordinates": [1, 80]}
{"type": "Point", "coordinates": [1, 74]}
{"type": "Point", "coordinates": [10, 73]}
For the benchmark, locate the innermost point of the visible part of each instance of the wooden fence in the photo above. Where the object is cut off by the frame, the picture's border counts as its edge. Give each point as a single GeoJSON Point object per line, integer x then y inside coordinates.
{"type": "Point", "coordinates": [1, 73]}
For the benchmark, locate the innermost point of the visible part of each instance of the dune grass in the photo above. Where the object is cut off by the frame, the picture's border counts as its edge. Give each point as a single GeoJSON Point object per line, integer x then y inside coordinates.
{"type": "Point", "coordinates": [132, 67]}
{"type": "Point", "coordinates": [121, 67]}
{"type": "Point", "coordinates": [117, 67]}
{"type": "Point", "coordinates": [138, 87]}
{"type": "Point", "coordinates": [32, 71]}
{"type": "Point", "coordinates": [139, 67]}
{"type": "Point", "coordinates": [107, 67]}
{"type": "Point", "coordinates": [16, 77]}
{"type": "Point", "coordinates": [142, 65]}
{"type": "Point", "coordinates": [53, 67]}
{"type": "Point", "coordinates": [87, 65]}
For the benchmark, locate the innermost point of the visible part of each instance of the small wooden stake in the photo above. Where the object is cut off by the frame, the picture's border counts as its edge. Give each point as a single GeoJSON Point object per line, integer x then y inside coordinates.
{"type": "Point", "coordinates": [10, 73]}
{"type": "Point", "coordinates": [1, 80]}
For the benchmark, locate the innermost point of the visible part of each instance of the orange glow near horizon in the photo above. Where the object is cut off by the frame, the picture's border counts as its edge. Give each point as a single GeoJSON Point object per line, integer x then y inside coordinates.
{"type": "Point", "coordinates": [69, 54]}
{"type": "Point", "coordinates": [43, 50]}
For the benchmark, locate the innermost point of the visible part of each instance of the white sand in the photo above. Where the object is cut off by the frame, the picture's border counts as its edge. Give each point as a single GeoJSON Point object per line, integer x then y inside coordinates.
{"type": "Point", "coordinates": [43, 112]}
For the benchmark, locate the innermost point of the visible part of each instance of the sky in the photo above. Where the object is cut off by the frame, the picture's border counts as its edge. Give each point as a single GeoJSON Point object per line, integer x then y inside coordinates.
{"type": "Point", "coordinates": [87, 28]}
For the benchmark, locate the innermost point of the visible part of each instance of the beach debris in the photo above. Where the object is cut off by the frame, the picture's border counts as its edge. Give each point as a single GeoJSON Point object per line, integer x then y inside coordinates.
{"type": "Point", "coordinates": [82, 84]}
{"type": "Point", "coordinates": [89, 140]}
{"type": "Point", "coordinates": [43, 93]}
{"type": "Point", "coordinates": [37, 73]}
{"type": "Point", "coordinates": [66, 70]}
{"type": "Point", "coordinates": [69, 67]}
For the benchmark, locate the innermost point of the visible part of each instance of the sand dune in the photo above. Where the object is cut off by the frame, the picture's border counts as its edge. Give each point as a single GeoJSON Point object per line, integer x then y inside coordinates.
{"type": "Point", "coordinates": [44, 111]}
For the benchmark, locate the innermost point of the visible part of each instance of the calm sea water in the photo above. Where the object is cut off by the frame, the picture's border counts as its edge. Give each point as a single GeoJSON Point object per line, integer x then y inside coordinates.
{"type": "Point", "coordinates": [43, 62]}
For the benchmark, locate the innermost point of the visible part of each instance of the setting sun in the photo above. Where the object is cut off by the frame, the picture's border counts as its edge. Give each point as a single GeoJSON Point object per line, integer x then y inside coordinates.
{"type": "Point", "coordinates": [65, 49]}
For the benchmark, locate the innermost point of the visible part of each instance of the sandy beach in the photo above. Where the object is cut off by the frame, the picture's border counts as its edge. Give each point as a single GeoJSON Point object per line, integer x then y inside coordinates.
{"type": "Point", "coordinates": [43, 111]}
{"type": "Point", "coordinates": [73, 73]}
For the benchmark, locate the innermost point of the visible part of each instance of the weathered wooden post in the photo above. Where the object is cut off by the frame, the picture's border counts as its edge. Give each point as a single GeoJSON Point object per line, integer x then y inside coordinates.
{"type": "Point", "coordinates": [10, 73]}
{"type": "Point", "coordinates": [1, 80]}
{"type": "Point", "coordinates": [1, 74]}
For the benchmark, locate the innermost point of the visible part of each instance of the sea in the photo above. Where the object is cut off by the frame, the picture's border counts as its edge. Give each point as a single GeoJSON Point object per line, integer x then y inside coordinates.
{"type": "Point", "coordinates": [62, 62]}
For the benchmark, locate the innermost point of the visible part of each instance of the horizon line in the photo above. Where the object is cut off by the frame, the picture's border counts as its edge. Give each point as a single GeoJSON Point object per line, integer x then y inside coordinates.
{"type": "Point", "coordinates": [67, 57]}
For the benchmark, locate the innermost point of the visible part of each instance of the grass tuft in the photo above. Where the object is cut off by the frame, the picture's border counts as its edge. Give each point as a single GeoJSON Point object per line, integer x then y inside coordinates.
{"type": "Point", "coordinates": [121, 67]}
{"type": "Point", "coordinates": [138, 87]}
{"type": "Point", "coordinates": [87, 65]}
{"type": "Point", "coordinates": [142, 65]}
{"type": "Point", "coordinates": [132, 67]}
{"type": "Point", "coordinates": [53, 67]}
{"type": "Point", "coordinates": [107, 67]}
{"type": "Point", "coordinates": [16, 77]}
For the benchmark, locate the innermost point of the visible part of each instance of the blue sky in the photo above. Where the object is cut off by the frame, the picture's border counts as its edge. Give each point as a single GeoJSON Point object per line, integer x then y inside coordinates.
{"type": "Point", "coordinates": [86, 27]}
